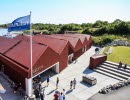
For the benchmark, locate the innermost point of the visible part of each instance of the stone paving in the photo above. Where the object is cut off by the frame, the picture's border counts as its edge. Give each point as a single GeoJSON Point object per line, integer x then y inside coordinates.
{"type": "Point", "coordinates": [9, 94]}
{"type": "Point", "coordinates": [76, 70]}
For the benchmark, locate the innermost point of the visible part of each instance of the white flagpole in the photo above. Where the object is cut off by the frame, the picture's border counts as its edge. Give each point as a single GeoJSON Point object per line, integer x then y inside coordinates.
{"type": "Point", "coordinates": [31, 53]}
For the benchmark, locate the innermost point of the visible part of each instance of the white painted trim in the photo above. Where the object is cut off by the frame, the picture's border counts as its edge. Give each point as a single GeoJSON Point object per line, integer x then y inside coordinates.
{"type": "Point", "coordinates": [71, 55]}
{"type": "Point", "coordinates": [49, 68]}
{"type": "Point", "coordinates": [85, 48]}
{"type": "Point", "coordinates": [28, 83]}
{"type": "Point", "coordinates": [57, 67]}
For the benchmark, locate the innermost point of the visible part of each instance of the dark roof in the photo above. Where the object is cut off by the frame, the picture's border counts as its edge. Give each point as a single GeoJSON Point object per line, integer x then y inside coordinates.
{"type": "Point", "coordinates": [21, 53]}
{"type": "Point", "coordinates": [55, 44]}
{"type": "Point", "coordinates": [7, 43]}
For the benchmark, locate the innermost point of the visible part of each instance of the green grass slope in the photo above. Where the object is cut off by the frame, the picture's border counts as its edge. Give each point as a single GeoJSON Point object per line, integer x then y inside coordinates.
{"type": "Point", "coordinates": [120, 53]}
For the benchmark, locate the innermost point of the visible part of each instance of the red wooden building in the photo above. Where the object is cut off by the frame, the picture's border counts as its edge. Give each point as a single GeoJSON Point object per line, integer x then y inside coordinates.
{"type": "Point", "coordinates": [49, 51]}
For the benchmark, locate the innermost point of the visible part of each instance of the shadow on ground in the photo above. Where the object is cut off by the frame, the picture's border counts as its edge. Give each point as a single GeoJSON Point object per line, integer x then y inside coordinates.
{"type": "Point", "coordinates": [86, 84]}
{"type": "Point", "coordinates": [69, 91]}
{"type": "Point", "coordinates": [50, 92]}
{"type": "Point", "coordinates": [47, 73]}
{"type": "Point", "coordinates": [87, 71]}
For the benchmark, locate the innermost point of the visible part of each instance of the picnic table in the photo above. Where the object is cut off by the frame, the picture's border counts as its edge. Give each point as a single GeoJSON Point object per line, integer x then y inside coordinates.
{"type": "Point", "coordinates": [2, 90]}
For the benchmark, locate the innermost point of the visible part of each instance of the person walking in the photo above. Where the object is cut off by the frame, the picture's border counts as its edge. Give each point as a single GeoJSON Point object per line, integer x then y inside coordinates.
{"type": "Point", "coordinates": [71, 84]}
{"type": "Point", "coordinates": [64, 93]}
{"type": "Point", "coordinates": [74, 82]}
{"type": "Point", "coordinates": [48, 80]}
{"type": "Point", "coordinates": [61, 96]}
{"type": "Point", "coordinates": [57, 82]}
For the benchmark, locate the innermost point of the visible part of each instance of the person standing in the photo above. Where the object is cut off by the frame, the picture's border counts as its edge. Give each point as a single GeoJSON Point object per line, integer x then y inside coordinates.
{"type": "Point", "coordinates": [48, 80]}
{"type": "Point", "coordinates": [74, 82]}
{"type": "Point", "coordinates": [56, 96]}
{"type": "Point", "coordinates": [71, 83]}
{"type": "Point", "coordinates": [64, 93]}
{"type": "Point", "coordinates": [57, 82]}
{"type": "Point", "coordinates": [15, 88]}
{"type": "Point", "coordinates": [61, 96]}
{"type": "Point", "coordinates": [36, 93]}
{"type": "Point", "coordinates": [20, 91]}
{"type": "Point", "coordinates": [39, 85]}
{"type": "Point", "coordinates": [42, 95]}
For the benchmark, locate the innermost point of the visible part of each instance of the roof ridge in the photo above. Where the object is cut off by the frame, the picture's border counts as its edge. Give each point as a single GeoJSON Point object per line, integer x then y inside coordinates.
{"type": "Point", "coordinates": [12, 47]}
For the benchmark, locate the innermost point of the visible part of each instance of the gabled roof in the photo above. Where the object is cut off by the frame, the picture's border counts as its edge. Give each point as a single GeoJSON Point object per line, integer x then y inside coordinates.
{"type": "Point", "coordinates": [84, 35]}
{"type": "Point", "coordinates": [21, 53]}
{"type": "Point", "coordinates": [73, 41]}
{"type": "Point", "coordinates": [55, 44]}
{"type": "Point", "coordinates": [81, 37]}
{"type": "Point", "coordinates": [7, 43]}
{"type": "Point", "coordinates": [22, 37]}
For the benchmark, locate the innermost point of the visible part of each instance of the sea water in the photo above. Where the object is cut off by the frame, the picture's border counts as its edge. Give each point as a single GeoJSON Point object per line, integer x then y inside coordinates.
{"type": "Point", "coordinates": [3, 32]}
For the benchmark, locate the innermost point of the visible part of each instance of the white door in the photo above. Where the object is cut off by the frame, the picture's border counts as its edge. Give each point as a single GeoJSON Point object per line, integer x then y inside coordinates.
{"type": "Point", "coordinates": [70, 57]}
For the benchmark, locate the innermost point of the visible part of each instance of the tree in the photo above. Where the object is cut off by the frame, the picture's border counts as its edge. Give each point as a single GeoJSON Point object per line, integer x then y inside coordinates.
{"type": "Point", "coordinates": [122, 28]}
{"type": "Point", "coordinates": [87, 31]}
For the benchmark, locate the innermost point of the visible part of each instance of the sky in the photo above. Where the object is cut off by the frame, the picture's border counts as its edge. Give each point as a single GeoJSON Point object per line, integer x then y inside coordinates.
{"type": "Point", "coordinates": [65, 11]}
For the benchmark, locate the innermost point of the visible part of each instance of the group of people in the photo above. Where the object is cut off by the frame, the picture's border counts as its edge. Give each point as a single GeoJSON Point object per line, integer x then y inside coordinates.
{"type": "Point", "coordinates": [73, 83]}
{"type": "Point", "coordinates": [18, 88]}
{"type": "Point", "coordinates": [39, 91]}
{"type": "Point", "coordinates": [120, 65]}
{"type": "Point", "coordinates": [60, 95]}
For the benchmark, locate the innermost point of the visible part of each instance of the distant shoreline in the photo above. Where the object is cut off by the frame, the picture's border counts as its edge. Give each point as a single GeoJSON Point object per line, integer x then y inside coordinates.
{"type": "Point", "coordinates": [2, 28]}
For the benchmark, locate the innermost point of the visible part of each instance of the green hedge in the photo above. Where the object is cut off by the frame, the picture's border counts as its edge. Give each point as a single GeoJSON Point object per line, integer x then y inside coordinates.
{"type": "Point", "coordinates": [105, 39]}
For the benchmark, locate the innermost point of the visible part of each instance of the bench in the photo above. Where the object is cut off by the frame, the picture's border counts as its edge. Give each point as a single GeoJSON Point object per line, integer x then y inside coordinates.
{"type": "Point", "coordinates": [90, 80]}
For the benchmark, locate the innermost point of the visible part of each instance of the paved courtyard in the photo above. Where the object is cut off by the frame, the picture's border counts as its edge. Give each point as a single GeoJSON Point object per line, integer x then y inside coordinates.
{"type": "Point", "coordinates": [9, 94]}
{"type": "Point", "coordinates": [76, 70]}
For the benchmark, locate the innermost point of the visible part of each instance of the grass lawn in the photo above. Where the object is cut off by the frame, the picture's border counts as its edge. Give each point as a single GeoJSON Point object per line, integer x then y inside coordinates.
{"type": "Point", "coordinates": [119, 53]}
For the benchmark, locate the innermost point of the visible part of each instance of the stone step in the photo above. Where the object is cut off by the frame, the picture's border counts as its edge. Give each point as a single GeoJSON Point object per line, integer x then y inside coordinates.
{"type": "Point", "coordinates": [115, 70]}
{"type": "Point", "coordinates": [109, 75]}
{"type": "Point", "coordinates": [116, 64]}
{"type": "Point", "coordinates": [113, 73]}
{"type": "Point", "coordinates": [115, 67]}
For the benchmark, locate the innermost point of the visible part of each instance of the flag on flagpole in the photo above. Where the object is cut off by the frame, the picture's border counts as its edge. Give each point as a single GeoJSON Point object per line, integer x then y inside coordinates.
{"type": "Point", "coordinates": [20, 24]}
